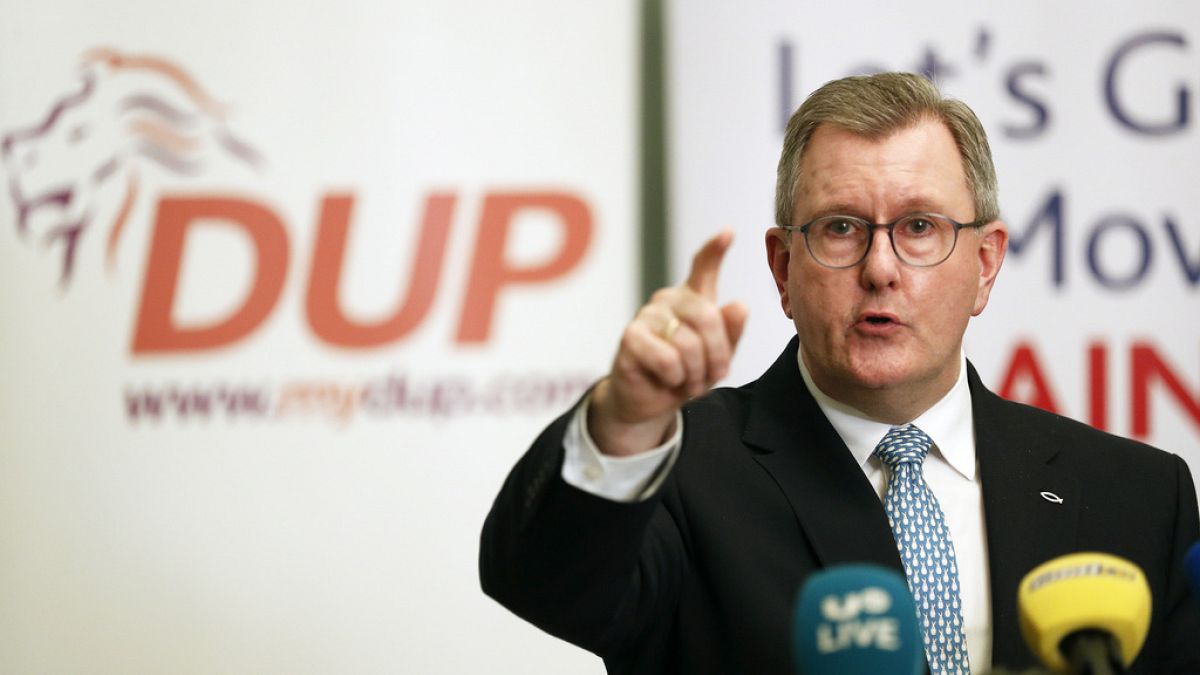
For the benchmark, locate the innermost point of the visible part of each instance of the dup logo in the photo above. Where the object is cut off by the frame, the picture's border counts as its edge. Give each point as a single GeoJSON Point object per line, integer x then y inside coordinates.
{"type": "Point", "coordinates": [75, 177]}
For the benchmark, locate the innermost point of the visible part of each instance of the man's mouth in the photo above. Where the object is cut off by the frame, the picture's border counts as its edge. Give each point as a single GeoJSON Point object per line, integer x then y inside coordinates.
{"type": "Point", "coordinates": [878, 320]}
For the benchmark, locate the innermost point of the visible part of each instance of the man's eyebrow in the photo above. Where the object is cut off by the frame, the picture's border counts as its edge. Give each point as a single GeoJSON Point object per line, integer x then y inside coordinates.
{"type": "Point", "coordinates": [919, 204]}
{"type": "Point", "coordinates": [837, 209]}
{"type": "Point", "coordinates": [907, 206]}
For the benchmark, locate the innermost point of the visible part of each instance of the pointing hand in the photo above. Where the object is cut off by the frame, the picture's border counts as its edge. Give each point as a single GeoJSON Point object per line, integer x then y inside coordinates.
{"type": "Point", "coordinates": [677, 346]}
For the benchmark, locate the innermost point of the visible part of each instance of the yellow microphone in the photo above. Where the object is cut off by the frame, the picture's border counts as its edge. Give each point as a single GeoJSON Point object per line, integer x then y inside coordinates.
{"type": "Point", "coordinates": [1085, 613]}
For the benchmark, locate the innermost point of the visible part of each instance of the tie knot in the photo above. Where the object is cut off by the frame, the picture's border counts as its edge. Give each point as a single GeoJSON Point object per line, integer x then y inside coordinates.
{"type": "Point", "coordinates": [904, 445]}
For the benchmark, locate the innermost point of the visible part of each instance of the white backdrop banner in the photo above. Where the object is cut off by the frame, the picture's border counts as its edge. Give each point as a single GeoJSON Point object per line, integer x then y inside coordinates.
{"type": "Point", "coordinates": [1092, 119]}
{"type": "Point", "coordinates": [286, 292]}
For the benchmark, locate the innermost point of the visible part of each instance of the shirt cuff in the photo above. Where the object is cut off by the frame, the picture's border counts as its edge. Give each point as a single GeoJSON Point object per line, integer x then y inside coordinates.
{"type": "Point", "coordinates": [620, 479]}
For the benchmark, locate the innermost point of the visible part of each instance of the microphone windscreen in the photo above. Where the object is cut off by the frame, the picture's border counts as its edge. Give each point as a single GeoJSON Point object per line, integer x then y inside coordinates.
{"type": "Point", "coordinates": [856, 619]}
{"type": "Point", "coordinates": [1193, 570]}
{"type": "Point", "coordinates": [1084, 591]}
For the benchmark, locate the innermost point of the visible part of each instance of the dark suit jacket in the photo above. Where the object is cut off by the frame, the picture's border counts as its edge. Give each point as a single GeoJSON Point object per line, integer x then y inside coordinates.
{"type": "Point", "coordinates": [701, 577]}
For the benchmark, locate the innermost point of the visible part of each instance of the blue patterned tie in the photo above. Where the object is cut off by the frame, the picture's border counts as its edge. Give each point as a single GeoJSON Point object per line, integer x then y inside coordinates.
{"type": "Point", "coordinates": [925, 548]}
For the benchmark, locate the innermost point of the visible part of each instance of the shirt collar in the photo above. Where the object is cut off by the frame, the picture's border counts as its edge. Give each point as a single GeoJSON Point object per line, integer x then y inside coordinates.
{"type": "Point", "coordinates": [949, 422]}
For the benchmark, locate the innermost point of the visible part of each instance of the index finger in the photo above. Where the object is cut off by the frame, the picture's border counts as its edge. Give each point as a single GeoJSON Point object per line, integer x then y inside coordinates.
{"type": "Point", "coordinates": [707, 263]}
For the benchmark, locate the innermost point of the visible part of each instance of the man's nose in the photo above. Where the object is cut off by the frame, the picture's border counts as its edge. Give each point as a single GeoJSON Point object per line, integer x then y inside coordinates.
{"type": "Point", "coordinates": [881, 267]}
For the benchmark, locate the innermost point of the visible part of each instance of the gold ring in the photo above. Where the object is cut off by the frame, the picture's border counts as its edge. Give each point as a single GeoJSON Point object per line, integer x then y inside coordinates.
{"type": "Point", "coordinates": [672, 326]}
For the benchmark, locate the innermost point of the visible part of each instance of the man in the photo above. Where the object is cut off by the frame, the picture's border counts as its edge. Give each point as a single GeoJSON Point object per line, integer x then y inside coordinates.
{"type": "Point", "coordinates": [669, 531]}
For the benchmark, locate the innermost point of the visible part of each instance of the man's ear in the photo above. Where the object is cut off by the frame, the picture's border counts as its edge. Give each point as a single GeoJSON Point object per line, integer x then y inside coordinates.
{"type": "Point", "coordinates": [992, 248]}
{"type": "Point", "coordinates": [779, 255]}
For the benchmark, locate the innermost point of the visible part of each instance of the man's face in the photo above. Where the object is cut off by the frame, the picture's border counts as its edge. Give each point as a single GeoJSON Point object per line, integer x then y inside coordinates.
{"type": "Point", "coordinates": [884, 335]}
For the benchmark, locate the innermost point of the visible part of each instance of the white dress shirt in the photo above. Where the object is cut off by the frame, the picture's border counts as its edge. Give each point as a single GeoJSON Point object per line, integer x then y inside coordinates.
{"type": "Point", "coordinates": [951, 471]}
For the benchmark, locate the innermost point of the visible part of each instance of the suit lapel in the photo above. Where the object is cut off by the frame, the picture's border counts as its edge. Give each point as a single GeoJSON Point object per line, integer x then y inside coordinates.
{"type": "Point", "coordinates": [1024, 528]}
{"type": "Point", "coordinates": [834, 503]}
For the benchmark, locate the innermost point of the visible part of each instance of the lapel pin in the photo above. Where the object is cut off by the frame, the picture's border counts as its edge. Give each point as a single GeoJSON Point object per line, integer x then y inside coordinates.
{"type": "Point", "coordinates": [1052, 498]}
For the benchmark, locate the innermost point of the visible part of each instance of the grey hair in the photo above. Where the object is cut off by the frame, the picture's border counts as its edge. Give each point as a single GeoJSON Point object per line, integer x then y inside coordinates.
{"type": "Point", "coordinates": [874, 106]}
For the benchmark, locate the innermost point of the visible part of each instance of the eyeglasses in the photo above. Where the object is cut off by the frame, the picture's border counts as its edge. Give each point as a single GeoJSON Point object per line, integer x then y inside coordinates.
{"type": "Point", "coordinates": [918, 239]}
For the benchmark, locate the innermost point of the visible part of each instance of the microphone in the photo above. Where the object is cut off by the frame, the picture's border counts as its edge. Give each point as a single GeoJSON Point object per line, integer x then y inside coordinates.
{"type": "Point", "coordinates": [1193, 570]}
{"type": "Point", "coordinates": [1085, 613]}
{"type": "Point", "coordinates": [856, 620]}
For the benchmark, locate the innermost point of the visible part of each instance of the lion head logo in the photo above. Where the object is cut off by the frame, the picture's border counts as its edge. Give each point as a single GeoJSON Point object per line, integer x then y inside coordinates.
{"type": "Point", "coordinates": [80, 165]}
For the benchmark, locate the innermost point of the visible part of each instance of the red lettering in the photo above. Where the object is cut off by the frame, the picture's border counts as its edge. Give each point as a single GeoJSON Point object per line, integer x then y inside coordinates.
{"type": "Point", "coordinates": [1025, 367]}
{"type": "Point", "coordinates": [491, 271]}
{"type": "Point", "coordinates": [1098, 385]}
{"type": "Point", "coordinates": [1146, 366]}
{"type": "Point", "coordinates": [325, 315]}
{"type": "Point", "coordinates": [156, 330]}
